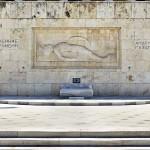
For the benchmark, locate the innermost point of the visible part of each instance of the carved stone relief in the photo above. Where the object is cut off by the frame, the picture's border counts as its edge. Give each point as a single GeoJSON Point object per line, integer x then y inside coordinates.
{"type": "Point", "coordinates": [76, 47]}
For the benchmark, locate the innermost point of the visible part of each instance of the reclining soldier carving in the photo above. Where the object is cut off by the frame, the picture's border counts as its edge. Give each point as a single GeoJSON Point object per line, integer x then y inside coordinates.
{"type": "Point", "coordinates": [69, 51]}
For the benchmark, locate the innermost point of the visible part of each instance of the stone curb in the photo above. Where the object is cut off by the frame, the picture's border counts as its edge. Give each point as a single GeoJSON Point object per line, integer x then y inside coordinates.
{"type": "Point", "coordinates": [75, 102]}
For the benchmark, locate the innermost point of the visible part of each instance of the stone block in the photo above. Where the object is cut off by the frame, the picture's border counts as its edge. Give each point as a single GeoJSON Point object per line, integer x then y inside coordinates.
{"type": "Point", "coordinates": [145, 55]}
{"type": "Point", "coordinates": [130, 46]}
{"type": "Point", "coordinates": [8, 89]}
{"type": "Point", "coordinates": [39, 10]}
{"type": "Point", "coordinates": [26, 89]}
{"type": "Point", "coordinates": [13, 10]}
{"type": "Point", "coordinates": [142, 66]}
{"type": "Point", "coordinates": [106, 89]}
{"type": "Point", "coordinates": [17, 77]}
{"type": "Point", "coordinates": [50, 77]}
{"type": "Point", "coordinates": [148, 10]}
{"type": "Point", "coordinates": [24, 10]}
{"type": "Point", "coordinates": [4, 10]}
{"type": "Point", "coordinates": [38, 77]}
{"type": "Point", "coordinates": [109, 22]}
{"type": "Point", "coordinates": [101, 77]}
{"type": "Point", "coordinates": [129, 89]}
{"type": "Point", "coordinates": [139, 35]}
{"type": "Point", "coordinates": [4, 55]}
{"type": "Point", "coordinates": [138, 24]}
{"type": "Point", "coordinates": [105, 10]}
{"type": "Point", "coordinates": [73, 23]}
{"type": "Point", "coordinates": [71, 10]}
{"type": "Point", "coordinates": [87, 10]}
{"type": "Point", "coordinates": [4, 77]}
{"type": "Point", "coordinates": [144, 89]}
{"type": "Point", "coordinates": [10, 24]}
{"type": "Point", "coordinates": [42, 89]}
{"type": "Point", "coordinates": [134, 54]}
{"type": "Point", "coordinates": [54, 10]}
{"type": "Point", "coordinates": [6, 134]}
{"type": "Point", "coordinates": [146, 38]}
{"type": "Point", "coordinates": [76, 90]}
{"type": "Point", "coordinates": [18, 55]}
{"type": "Point", "coordinates": [90, 23]}
{"type": "Point", "coordinates": [134, 77]}
{"type": "Point", "coordinates": [139, 10]}
{"type": "Point", "coordinates": [123, 10]}
{"type": "Point", "coordinates": [10, 66]}
{"type": "Point", "coordinates": [128, 34]}
{"type": "Point", "coordinates": [55, 89]}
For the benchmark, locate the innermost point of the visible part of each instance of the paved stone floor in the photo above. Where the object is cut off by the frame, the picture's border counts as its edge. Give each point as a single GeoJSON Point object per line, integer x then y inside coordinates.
{"type": "Point", "coordinates": [74, 118]}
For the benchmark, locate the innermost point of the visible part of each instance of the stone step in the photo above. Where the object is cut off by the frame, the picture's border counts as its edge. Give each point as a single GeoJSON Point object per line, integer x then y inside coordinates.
{"type": "Point", "coordinates": [75, 142]}
{"type": "Point", "coordinates": [74, 134]}
{"type": "Point", "coordinates": [74, 148]}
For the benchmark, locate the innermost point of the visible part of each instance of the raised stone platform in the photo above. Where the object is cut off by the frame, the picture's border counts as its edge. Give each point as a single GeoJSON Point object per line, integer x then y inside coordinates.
{"type": "Point", "coordinates": [76, 90]}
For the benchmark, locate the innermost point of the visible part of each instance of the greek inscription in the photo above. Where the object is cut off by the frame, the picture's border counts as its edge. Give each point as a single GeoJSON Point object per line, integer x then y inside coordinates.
{"type": "Point", "coordinates": [145, 44]}
{"type": "Point", "coordinates": [9, 43]}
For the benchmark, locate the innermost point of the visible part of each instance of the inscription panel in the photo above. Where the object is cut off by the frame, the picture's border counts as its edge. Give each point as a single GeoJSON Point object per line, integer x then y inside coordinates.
{"type": "Point", "coordinates": [76, 47]}
{"type": "Point", "coordinates": [9, 44]}
{"type": "Point", "coordinates": [142, 44]}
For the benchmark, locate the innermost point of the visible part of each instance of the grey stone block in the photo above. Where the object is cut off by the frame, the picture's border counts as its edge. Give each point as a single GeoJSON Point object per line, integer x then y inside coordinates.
{"type": "Point", "coordinates": [76, 90]}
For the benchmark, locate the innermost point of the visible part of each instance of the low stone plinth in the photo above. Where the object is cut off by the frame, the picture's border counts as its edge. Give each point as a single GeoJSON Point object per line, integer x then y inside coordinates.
{"type": "Point", "coordinates": [76, 90]}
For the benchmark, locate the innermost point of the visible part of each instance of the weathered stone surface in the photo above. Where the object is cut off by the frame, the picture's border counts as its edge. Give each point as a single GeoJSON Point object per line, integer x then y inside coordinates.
{"type": "Point", "coordinates": [54, 10]}
{"type": "Point", "coordinates": [148, 10]}
{"type": "Point", "coordinates": [139, 10]}
{"type": "Point", "coordinates": [8, 89]}
{"type": "Point", "coordinates": [87, 10]}
{"type": "Point", "coordinates": [42, 89]}
{"type": "Point", "coordinates": [26, 89]}
{"type": "Point", "coordinates": [24, 10]}
{"type": "Point", "coordinates": [13, 10]}
{"type": "Point", "coordinates": [16, 77]}
{"type": "Point", "coordinates": [71, 10]}
{"type": "Point", "coordinates": [39, 10]}
{"type": "Point", "coordinates": [4, 10]}
{"type": "Point", "coordinates": [123, 10]}
{"type": "Point", "coordinates": [105, 10]}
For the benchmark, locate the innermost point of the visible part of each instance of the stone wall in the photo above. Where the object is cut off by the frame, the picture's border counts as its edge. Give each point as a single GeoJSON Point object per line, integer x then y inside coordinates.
{"type": "Point", "coordinates": [46, 44]}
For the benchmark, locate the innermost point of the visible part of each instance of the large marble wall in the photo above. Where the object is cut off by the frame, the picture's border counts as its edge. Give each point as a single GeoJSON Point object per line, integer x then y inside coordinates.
{"type": "Point", "coordinates": [46, 44]}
